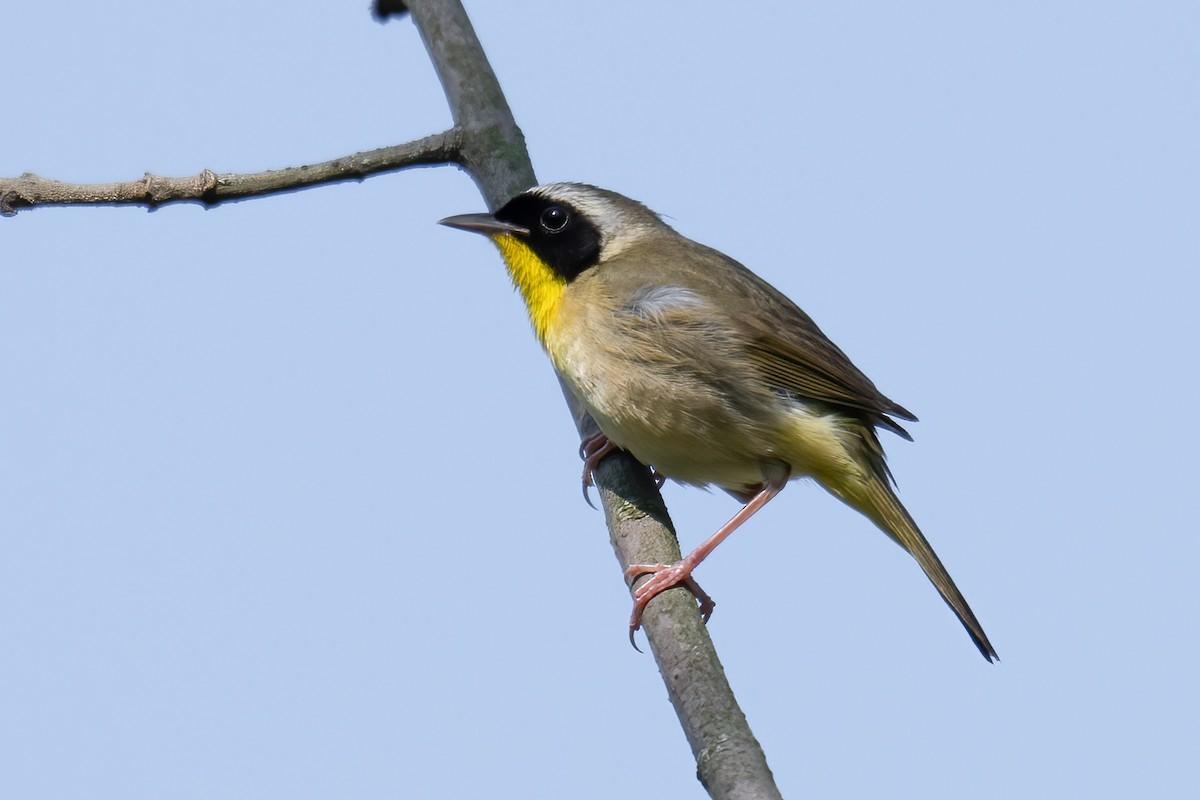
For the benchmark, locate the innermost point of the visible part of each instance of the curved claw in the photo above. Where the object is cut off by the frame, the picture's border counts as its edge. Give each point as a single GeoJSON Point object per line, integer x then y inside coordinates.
{"type": "Point", "coordinates": [593, 450]}
{"type": "Point", "coordinates": [665, 576]}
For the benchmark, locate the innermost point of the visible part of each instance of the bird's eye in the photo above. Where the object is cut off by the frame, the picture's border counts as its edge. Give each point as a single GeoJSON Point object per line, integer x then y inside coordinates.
{"type": "Point", "coordinates": [554, 219]}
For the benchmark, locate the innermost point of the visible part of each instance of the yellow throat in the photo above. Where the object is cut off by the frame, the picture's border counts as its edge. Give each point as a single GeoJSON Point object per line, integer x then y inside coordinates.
{"type": "Point", "coordinates": [541, 287]}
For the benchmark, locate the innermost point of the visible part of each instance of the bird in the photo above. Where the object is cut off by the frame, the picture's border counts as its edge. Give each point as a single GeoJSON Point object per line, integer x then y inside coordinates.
{"type": "Point", "coordinates": [700, 369]}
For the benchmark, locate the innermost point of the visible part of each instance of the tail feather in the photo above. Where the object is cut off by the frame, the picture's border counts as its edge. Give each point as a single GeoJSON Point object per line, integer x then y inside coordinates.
{"type": "Point", "coordinates": [885, 510]}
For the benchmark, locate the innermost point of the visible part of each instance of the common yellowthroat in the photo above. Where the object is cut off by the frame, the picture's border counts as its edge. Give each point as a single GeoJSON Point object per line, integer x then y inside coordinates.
{"type": "Point", "coordinates": [700, 369]}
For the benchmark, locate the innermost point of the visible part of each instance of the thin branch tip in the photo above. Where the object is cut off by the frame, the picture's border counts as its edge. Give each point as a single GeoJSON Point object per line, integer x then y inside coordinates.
{"type": "Point", "coordinates": [211, 189]}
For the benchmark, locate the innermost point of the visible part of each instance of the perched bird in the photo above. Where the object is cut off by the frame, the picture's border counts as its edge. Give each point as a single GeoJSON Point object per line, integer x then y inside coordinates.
{"type": "Point", "coordinates": [700, 369]}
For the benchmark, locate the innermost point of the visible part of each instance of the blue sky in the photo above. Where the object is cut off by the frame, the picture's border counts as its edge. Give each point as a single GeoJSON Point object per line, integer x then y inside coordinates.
{"type": "Point", "coordinates": [289, 498]}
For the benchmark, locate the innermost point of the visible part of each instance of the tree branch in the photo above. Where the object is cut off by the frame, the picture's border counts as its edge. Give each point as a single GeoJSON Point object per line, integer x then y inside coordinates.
{"type": "Point", "coordinates": [493, 148]}
{"type": "Point", "coordinates": [729, 761]}
{"type": "Point", "coordinates": [211, 189]}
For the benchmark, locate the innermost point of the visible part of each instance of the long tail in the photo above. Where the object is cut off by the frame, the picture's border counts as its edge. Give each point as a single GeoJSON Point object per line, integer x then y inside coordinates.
{"type": "Point", "coordinates": [882, 506]}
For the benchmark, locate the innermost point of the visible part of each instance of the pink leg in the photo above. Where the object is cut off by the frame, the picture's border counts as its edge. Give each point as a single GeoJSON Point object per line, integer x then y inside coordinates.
{"type": "Point", "coordinates": [592, 451]}
{"type": "Point", "coordinates": [665, 576]}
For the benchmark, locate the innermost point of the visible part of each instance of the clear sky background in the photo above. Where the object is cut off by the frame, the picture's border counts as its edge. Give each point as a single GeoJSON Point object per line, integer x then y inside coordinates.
{"type": "Point", "coordinates": [289, 500]}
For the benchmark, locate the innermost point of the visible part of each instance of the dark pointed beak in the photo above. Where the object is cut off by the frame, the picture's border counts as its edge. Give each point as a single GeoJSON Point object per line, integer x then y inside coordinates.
{"type": "Point", "coordinates": [482, 223]}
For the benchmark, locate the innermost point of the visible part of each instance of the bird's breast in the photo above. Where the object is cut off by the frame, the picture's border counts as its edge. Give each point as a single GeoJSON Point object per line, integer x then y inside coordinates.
{"type": "Point", "coordinates": [694, 419]}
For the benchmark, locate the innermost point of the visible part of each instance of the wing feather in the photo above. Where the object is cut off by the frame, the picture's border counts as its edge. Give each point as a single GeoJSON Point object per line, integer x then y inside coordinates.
{"type": "Point", "coordinates": [791, 353]}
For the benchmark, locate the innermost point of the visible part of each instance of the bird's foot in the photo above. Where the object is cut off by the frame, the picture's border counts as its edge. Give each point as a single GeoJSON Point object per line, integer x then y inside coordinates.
{"type": "Point", "coordinates": [663, 577]}
{"type": "Point", "coordinates": [593, 450]}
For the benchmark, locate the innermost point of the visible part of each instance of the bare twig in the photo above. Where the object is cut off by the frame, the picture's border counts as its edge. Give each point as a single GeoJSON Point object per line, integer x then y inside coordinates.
{"type": "Point", "coordinates": [493, 148]}
{"type": "Point", "coordinates": [729, 760]}
{"type": "Point", "coordinates": [211, 189]}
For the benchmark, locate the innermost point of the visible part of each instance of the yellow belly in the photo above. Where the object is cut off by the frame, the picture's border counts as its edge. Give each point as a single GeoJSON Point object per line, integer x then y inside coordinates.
{"type": "Point", "coordinates": [695, 435]}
